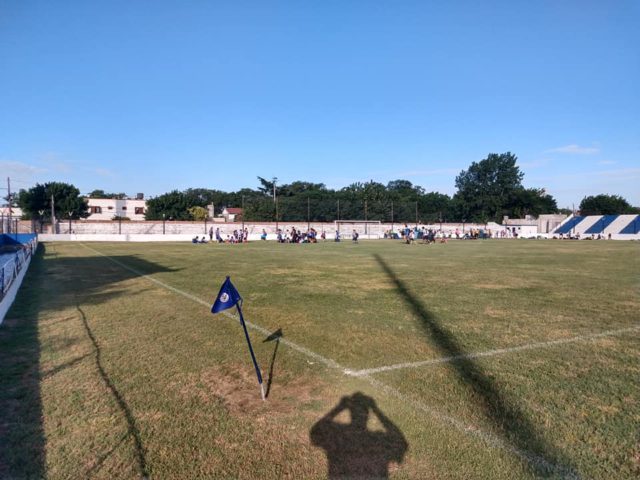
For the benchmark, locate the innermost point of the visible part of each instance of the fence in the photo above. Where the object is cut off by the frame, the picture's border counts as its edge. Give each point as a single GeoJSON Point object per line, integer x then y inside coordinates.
{"type": "Point", "coordinates": [10, 269]}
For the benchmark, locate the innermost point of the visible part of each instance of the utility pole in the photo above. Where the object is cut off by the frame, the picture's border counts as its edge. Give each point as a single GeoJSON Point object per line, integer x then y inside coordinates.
{"type": "Point", "coordinates": [365, 217]}
{"type": "Point", "coordinates": [9, 202]}
{"type": "Point", "coordinates": [244, 239]}
{"type": "Point", "coordinates": [53, 215]}
{"type": "Point", "coordinates": [416, 214]}
{"type": "Point", "coordinates": [275, 201]}
{"type": "Point", "coordinates": [308, 214]}
{"type": "Point", "coordinates": [392, 216]}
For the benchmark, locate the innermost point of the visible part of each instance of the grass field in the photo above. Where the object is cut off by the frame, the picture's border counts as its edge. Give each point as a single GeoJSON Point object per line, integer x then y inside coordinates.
{"type": "Point", "coordinates": [480, 359]}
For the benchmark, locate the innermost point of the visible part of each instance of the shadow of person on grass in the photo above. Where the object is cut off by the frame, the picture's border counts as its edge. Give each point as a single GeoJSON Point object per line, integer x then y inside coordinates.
{"type": "Point", "coordinates": [274, 337]}
{"type": "Point", "coordinates": [354, 451]}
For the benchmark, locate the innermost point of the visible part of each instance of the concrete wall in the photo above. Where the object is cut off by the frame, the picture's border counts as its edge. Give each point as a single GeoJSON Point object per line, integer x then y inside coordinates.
{"type": "Point", "coordinates": [200, 228]}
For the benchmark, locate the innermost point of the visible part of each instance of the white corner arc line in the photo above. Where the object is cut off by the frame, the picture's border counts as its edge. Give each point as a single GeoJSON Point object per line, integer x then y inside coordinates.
{"type": "Point", "coordinates": [491, 353]}
{"type": "Point", "coordinates": [489, 438]}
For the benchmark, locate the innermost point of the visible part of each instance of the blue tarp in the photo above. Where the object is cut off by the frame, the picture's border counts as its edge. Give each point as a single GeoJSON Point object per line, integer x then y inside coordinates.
{"type": "Point", "coordinates": [16, 238]}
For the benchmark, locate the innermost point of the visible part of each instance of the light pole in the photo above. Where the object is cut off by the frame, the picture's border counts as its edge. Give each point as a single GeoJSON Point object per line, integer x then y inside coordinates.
{"type": "Point", "coordinates": [365, 217]}
{"type": "Point", "coordinates": [243, 219]}
{"type": "Point", "coordinates": [70, 214]}
{"type": "Point", "coordinates": [41, 212]}
{"type": "Point", "coordinates": [275, 201]}
{"type": "Point", "coordinates": [391, 217]}
{"type": "Point", "coordinates": [163, 220]}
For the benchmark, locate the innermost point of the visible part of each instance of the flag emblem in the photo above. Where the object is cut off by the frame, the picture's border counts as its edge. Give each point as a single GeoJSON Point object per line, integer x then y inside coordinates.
{"type": "Point", "coordinates": [224, 298]}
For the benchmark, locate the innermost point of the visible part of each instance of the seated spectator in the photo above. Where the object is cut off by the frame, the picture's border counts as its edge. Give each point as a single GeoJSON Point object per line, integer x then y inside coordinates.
{"type": "Point", "coordinates": [354, 236]}
{"type": "Point", "coordinates": [194, 239]}
{"type": "Point", "coordinates": [264, 235]}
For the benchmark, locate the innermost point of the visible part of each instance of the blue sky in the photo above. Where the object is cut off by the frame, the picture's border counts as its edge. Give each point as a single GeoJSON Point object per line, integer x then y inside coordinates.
{"type": "Point", "coordinates": [148, 96]}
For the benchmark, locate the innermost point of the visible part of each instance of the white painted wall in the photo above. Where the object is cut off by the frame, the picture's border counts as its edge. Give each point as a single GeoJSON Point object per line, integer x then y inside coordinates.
{"type": "Point", "coordinates": [112, 207]}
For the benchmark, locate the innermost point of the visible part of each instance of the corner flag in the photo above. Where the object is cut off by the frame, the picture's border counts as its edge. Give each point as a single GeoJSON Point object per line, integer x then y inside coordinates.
{"type": "Point", "coordinates": [228, 297]}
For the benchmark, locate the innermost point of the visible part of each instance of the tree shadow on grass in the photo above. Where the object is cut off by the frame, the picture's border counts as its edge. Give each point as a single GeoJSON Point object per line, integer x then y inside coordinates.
{"type": "Point", "coordinates": [353, 451]}
{"type": "Point", "coordinates": [50, 286]}
{"type": "Point", "coordinates": [508, 419]}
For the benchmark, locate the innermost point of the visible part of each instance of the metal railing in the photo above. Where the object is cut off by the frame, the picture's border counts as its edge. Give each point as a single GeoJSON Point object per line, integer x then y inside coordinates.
{"type": "Point", "coordinates": [10, 269]}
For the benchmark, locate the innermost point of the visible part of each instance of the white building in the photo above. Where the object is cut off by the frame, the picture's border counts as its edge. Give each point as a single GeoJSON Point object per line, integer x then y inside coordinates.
{"type": "Point", "coordinates": [16, 212]}
{"type": "Point", "coordinates": [111, 208]}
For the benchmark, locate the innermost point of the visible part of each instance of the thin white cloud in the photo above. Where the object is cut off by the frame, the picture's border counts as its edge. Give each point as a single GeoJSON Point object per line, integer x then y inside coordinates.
{"type": "Point", "coordinates": [103, 172]}
{"type": "Point", "coordinates": [607, 162]}
{"type": "Point", "coordinates": [425, 173]}
{"type": "Point", "coordinates": [574, 150]}
{"type": "Point", "coordinates": [19, 168]}
{"type": "Point", "coordinates": [542, 162]}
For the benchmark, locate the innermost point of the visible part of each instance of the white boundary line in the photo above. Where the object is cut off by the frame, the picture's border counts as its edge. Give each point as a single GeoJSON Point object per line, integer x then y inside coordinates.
{"type": "Point", "coordinates": [490, 353]}
{"type": "Point", "coordinates": [489, 438]}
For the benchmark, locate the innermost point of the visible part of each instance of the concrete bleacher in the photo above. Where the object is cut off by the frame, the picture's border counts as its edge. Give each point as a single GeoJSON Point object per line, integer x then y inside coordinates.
{"type": "Point", "coordinates": [600, 224]}
{"type": "Point", "coordinates": [568, 225]}
{"type": "Point", "coordinates": [633, 227]}
{"type": "Point", "coordinates": [618, 226]}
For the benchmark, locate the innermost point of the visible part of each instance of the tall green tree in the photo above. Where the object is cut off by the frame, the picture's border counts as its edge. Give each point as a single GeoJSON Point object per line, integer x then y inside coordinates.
{"type": "Point", "coordinates": [103, 194]}
{"type": "Point", "coordinates": [67, 201]}
{"type": "Point", "coordinates": [488, 186]}
{"type": "Point", "coordinates": [531, 201]}
{"type": "Point", "coordinates": [605, 205]}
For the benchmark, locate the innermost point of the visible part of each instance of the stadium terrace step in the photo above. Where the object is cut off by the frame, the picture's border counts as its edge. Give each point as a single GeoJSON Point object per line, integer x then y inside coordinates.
{"type": "Point", "coordinates": [587, 223]}
{"type": "Point", "coordinates": [601, 225]}
{"type": "Point", "coordinates": [633, 226]}
{"type": "Point", "coordinates": [569, 225]}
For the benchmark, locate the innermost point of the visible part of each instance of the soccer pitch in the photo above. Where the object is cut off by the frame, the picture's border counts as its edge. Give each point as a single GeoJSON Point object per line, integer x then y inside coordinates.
{"type": "Point", "coordinates": [472, 359]}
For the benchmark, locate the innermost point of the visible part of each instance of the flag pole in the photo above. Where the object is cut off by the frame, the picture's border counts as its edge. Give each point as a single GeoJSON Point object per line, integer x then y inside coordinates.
{"type": "Point", "coordinates": [253, 357]}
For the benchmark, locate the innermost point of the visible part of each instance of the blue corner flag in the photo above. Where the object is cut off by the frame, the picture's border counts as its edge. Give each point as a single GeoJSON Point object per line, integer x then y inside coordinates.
{"type": "Point", "coordinates": [227, 297]}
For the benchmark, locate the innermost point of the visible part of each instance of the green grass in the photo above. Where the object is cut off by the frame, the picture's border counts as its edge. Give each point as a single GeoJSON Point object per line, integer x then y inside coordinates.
{"type": "Point", "coordinates": [106, 374]}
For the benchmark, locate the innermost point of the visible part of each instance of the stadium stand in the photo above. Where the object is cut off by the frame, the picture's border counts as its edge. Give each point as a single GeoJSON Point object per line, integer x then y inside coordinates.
{"type": "Point", "coordinates": [618, 226]}
{"type": "Point", "coordinates": [600, 224]}
{"type": "Point", "coordinates": [569, 225]}
{"type": "Point", "coordinates": [633, 227]}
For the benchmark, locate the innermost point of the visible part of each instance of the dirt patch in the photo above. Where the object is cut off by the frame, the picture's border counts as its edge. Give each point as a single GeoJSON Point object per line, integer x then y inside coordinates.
{"type": "Point", "coordinates": [495, 312]}
{"type": "Point", "coordinates": [239, 392]}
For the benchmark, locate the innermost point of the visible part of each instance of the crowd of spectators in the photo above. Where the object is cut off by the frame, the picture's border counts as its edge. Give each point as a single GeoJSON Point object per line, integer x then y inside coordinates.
{"type": "Point", "coordinates": [433, 235]}
{"type": "Point", "coordinates": [294, 235]}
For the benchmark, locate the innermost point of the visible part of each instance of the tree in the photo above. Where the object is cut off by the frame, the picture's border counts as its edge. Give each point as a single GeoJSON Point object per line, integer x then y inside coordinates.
{"type": "Point", "coordinates": [605, 205]}
{"type": "Point", "coordinates": [531, 201]}
{"type": "Point", "coordinates": [485, 189]}
{"type": "Point", "coordinates": [67, 200]}
{"type": "Point", "coordinates": [103, 194]}
{"type": "Point", "coordinates": [198, 213]}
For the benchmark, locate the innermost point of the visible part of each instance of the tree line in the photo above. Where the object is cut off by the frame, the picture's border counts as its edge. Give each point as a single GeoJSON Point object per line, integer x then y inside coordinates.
{"type": "Point", "coordinates": [486, 191]}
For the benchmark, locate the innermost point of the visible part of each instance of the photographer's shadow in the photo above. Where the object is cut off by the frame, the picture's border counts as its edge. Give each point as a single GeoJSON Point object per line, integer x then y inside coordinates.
{"type": "Point", "coordinates": [354, 451]}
